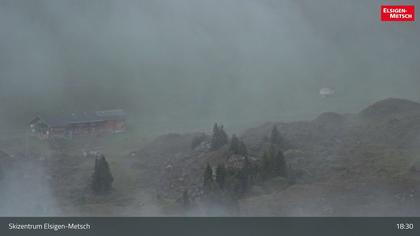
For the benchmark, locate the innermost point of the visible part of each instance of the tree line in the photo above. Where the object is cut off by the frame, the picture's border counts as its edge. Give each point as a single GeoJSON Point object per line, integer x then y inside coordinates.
{"type": "Point", "coordinates": [218, 180]}
{"type": "Point", "coordinates": [236, 181]}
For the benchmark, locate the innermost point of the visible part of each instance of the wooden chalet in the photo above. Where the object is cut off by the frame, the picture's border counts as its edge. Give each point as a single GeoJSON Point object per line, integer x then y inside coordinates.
{"type": "Point", "coordinates": [98, 122]}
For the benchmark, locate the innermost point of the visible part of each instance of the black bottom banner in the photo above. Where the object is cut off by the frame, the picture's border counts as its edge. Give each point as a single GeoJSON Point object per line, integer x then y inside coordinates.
{"type": "Point", "coordinates": [214, 226]}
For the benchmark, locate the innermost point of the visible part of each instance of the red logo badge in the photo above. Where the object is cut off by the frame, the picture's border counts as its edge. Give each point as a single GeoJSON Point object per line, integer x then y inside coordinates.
{"type": "Point", "coordinates": [397, 13]}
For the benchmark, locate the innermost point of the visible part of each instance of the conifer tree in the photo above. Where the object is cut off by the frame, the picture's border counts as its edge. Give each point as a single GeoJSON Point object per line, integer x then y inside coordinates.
{"type": "Point", "coordinates": [219, 137]}
{"type": "Point", "coordinates": [221, 175]}
{"type": "Point", "coordinates": [251, 169]}
{"type": "Point", "coordinates": [208, 177]}
{"type": "Point", "coordinates": [102, 178]}
{"type": "Point", "coordinates": [215, 138]}
{"type": "Point", "coordinates": [238, 146]}
{"type": "Point", "coordinates": [242, 149]}
{"type": "Point", "coordinates": [275, 137]}
{"type": "Point", "coordinates": [224, 138]}
{"type": "Point", "coordinates": [215, 129]}
{"type": "Point", "coordinates": [266, 168]}
{"type": "Point", "coordinates": [279, 165]}
{"type": "Point", "coordinates": [234, 145]}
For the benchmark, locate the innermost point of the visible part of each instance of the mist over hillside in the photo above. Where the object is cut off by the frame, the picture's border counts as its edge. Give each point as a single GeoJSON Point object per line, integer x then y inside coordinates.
{"type": "Point", "coordinates": [311, 100]}
{"type": "Point", "coordinates": [187, 63]}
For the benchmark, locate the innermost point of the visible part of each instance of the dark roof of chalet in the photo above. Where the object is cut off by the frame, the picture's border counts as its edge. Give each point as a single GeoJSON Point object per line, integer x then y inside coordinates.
{"type": "Point", "coordinates": [85, 117]}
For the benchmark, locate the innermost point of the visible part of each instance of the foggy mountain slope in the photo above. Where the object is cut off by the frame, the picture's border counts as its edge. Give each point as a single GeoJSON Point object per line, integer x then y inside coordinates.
{"type": "Point", "coordinates": [387, 122]}
{"type": "Point", "coordinates": [392, 122]}
{"type": "Point", "coordinates": [5, 160]}
{"type": "Point", "coordinates": [169, 162]}
{"type": "Point", "coordinates": [342, 163]}
{"type": "Point", "coordinates": [389, 107]}
{"type": "Point", "coordinates": [179, 66]}
{"type": "Point", "coordinates": [26, 188]}
{"type": "Point", "coordinates": [360, 165]}
{"type": "Point", "coordinates": [337, 155]}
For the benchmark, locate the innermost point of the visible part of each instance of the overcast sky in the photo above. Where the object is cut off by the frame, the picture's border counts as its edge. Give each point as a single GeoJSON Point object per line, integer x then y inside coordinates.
{"type": "Point", "coordinates": [188, 61]}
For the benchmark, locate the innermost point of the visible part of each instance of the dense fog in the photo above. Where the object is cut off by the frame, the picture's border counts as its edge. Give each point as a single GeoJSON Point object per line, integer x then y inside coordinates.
{"type": "Point", "coordinates": [188, 63]}
{"type": "Point", "coordinates": [180, 66]}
